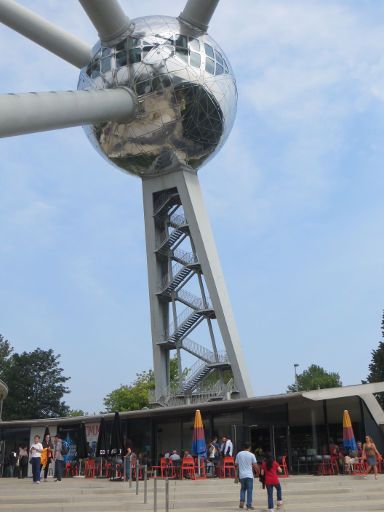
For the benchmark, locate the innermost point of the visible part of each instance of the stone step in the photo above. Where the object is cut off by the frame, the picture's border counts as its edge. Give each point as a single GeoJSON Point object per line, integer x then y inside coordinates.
{"type": "Point", "coordinates": [309, 494]}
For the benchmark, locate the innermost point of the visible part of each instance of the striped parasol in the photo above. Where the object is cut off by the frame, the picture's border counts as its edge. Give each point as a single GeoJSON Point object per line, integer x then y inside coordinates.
{"type": "Point", "coordinates": [199, 447]}
{"type": "Point", "coordinates": [349, 442]}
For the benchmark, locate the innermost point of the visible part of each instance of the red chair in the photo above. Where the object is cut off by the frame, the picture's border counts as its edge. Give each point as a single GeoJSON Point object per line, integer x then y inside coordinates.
{"type": "Point", "coordinates": [284, 467]}
{"type": "Point", "coordinates": [228, 469]}
{"type": "Point", "coordinates": [90, 468]}
{"type": "Point", "coordinates": [164, 468]}
{"type": "Point", "coordinates": [133, 467]}
{"type": "Point", "coordinates": [326, 466]}
{"type": "Point", "coordinates": [203, 473]}
{"type": "Point", "coordinates": [334, 465]}
{"type": "Point", "coordinates": [67, 469]}
{"type": "Point", "coordinates": [188, 468]}
{"type": "Point", "coordinates": [359, 467]}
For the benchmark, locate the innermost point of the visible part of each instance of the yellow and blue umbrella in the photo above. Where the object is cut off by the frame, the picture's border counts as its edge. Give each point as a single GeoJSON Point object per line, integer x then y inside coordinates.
{"type": "Point", "coordinates": [199, 447]}
{"type": "Point", "coordinates": [349, 442]}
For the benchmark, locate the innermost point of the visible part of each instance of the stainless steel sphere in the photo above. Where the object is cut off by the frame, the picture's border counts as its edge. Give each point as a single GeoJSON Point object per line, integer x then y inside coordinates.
{"type": "Point", "coordinates": [186, 92]}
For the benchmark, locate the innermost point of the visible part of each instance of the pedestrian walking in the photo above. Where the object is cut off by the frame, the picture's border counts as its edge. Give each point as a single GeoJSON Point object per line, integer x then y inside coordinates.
{"type": "Point", "coordinates": [269, 469]}
{"type": "Point", "coordinates": [246, 466]}
{"type": "Point", "coordinates": [36, 450]}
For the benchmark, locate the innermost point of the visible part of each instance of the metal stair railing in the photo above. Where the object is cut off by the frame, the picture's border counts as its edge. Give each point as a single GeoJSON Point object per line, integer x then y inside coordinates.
{"type": "Point", "coordinates": [198, 350]}
{"type": "Point", "coordinates": [188, 319]}
{"type": "Point", "coordinates": [204, 353]}
{"type": "Point", "coordinates": [193, 301]}
{"type": "Point", "coordinates": [162, 200]}
{"type": "Point", "coordinates": [178, 220]}
{"type": "Point", "coordinates": [184, 257]}
{"type": "Point", "coordinates": [199, 370]}
{"type": "Point", "coordinates": [168, 239]}
{"type": "Point", "coordinates": [175, 396]}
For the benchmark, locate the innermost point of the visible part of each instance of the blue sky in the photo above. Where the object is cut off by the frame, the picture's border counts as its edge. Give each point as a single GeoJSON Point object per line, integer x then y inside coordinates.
{"type": "Point", "coordinates": [294, 198]}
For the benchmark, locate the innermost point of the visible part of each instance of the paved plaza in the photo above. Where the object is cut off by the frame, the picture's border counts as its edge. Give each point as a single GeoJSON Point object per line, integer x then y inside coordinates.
{"type": "Point", "coordinates": [300, 493]}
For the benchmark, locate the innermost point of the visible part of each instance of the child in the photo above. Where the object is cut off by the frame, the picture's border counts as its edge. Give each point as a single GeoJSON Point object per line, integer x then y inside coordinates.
{"type": "Point", "coordinates": [269, 469]}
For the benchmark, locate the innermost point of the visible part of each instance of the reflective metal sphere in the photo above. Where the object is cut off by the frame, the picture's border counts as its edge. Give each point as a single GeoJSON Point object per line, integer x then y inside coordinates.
{"type": "Point", "coordinates": [186, 92]}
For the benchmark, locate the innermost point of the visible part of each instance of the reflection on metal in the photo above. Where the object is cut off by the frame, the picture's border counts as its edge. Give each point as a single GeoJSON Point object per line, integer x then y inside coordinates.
{"type": "Point", "coordinates": [186, 92]}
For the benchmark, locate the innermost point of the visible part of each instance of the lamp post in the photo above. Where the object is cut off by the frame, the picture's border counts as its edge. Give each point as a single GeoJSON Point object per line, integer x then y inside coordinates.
{"type": "Point", "coordinates": [296, 381]}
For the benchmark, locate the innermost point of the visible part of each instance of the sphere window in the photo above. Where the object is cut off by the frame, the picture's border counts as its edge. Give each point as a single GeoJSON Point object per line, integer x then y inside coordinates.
{"type": "Point", "coordinates": [194, 44]}
{"type": "Point", "coordinates": [210, 66]}
{"type": "Point", "coordinates": [219, 69]}
{"type": "Point", "coordinates": [134, 55]}
{"type": "Point", "coordinates": [209, 50]}
{"type": "Point", "coordinates": [146, 50]}
{"type": "Point", "coordinates": [93, 70]}
{"type": "Point", "coordinates": [183, 54]}
{"type": "Point", "coordinates": [105, 65]}
{"type": "Point", "coordinates": [121, 59]}
{"type": "Point", "coordinates": [219, 58]}
{"type": "Point", "coordinates": [195, 59]}
{"type": "Point", "coordinates": [181, 41]}
{"type": "Point", "coordinates": [121, 46]}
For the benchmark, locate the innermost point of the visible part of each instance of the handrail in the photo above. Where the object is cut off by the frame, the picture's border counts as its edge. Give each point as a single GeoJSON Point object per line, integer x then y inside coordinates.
{"type": "Point", "coordinates": [161, 200]}
{"type": "Point", "coordinates": [181, 318]}
{"type": "Point", "coordinates": [188, 258]}
{"type": "Point", "coordinates": [195, 371]}
{"type": "Point", "coordinates": [194, 301]}
{"type": "Point", "coordinates": [198, 350]}
{"type": "Point", "coordinates": [176, 221]}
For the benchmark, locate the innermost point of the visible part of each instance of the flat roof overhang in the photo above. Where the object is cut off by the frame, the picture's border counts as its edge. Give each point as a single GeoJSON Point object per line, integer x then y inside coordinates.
{"type": "Point", "coordinates": [365, 391]}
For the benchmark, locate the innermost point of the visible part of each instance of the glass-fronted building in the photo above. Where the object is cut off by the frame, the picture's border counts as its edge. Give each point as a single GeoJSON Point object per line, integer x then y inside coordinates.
{"type": "Point", "coordinates": [298, 425]}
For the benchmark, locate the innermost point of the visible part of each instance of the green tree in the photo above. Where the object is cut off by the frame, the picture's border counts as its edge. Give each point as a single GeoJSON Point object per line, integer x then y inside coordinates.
{"type": "Point", "coordinates": [6, 350]}
{"type": "Point", "coordinates": [36, 386]}
{"type": "Point", "coordinates": [376, 367]}
{"type": "Point", "coordinates": [135, 395]}
{"type": "Point", "coordinates": [315, 377]}
{"type": "Point", "coordinates": [76, 412]}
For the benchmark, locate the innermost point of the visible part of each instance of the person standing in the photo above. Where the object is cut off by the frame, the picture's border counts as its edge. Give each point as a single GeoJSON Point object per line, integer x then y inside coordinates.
{"type": "Point", "coordinates": [58, 458]}
{"type": "Point", "coordinates": [23, 461]}
{"type": "Point", "coordinates": [246, 466]}
{"type": "Point", "coordinates": [226, 447]}
{"type": "Point", "coordinates": [371, 455]}
{"type": "Point", "coordinates": [269, 470]}
{"type": "Point", "coordinates": [36, 450]}
{"type": "Point", "coordinates": [46, 457]}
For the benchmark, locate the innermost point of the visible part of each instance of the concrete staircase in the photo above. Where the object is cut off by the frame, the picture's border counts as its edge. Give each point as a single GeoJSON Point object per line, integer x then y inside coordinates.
{"type": "Point", "coordinates": [300, 493]}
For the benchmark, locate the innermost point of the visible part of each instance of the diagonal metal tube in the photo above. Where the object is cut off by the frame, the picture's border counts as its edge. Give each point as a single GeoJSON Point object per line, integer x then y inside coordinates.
{"type": "Point", "coordinates": [108, 18]}
{"type": "Point", "coordinates": [199, 13]}
{"type": "Point", "coordinates": [42, 111]}
{"type": "Point", "coordinates": [44, 33]}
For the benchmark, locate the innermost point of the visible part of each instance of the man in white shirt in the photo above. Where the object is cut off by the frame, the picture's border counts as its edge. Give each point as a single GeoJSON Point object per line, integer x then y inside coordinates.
{"type": "Point", "coordinates": [226, 447]}
{"type": "Point", "coordinates": [246, 465]}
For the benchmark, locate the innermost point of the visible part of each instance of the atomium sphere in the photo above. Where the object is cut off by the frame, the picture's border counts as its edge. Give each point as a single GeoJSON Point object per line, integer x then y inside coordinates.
{"type": "Point", "coordinates": [186, 95]}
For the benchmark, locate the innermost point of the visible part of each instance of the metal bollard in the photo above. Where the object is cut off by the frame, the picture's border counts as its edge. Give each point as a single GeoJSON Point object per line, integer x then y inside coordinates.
{"type": "Point", "coordinates": [167, 495]}
{"type": "Point", "coordinates": [155, 495]}
{"type": "Point", "coordinates": [145, 476]}
{"type": "Point", "coordinates": [137, 478]}
{"type": "Point", "coordinates": [130, 475]}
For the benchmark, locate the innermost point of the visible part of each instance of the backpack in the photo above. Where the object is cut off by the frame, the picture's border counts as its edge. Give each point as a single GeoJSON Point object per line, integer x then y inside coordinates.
{"type": "Point", "coordinates": [64, 448]}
